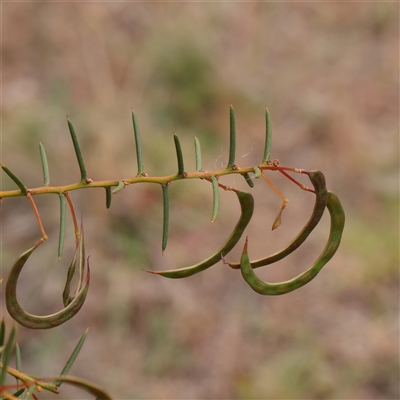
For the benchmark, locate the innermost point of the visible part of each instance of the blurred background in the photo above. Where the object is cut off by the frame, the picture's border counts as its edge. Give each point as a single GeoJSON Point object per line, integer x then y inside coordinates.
{"type": "Point", "coordinates": [328, 73]}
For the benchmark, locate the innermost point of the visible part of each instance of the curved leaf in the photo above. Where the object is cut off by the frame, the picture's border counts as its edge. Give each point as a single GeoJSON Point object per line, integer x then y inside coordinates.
{"type": "Point", "coordinates": [337, 225]}
{"type": "Point", "coordinates": [247, 206]}
{"type": "Point", "coordinates": [318, 180]}
{"type": "Point", "coordinates": [36, 321]}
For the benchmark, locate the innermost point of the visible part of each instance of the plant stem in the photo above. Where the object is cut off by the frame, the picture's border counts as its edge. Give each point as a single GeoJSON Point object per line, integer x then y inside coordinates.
{"type": "Point", "coordinates": [146, 179]}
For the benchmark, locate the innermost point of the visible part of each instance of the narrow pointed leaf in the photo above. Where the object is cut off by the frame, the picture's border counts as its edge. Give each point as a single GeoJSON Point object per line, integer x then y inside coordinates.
{"type": "Point", "coordinates": [16, 180]}
{"type": "Point", "coordinates": [215, 187]}
{"type": "Point", "coordinates": [248, 179]}
{"type": "Point", "coordinates": [17, 359]}
{"type": "Point", "coordinates": [268, 136]}
{"type": "Point", "coordinates": [78, 151]}
{"type": "Point", "coordinates": [19, 392]}
{"type": "Point", "coordinates": [45, 166]}
{"type": "Point", "coordinates": [30, 391]}
{"type": "Point", "coordinates": [73, 357]}
{"type": "Point", "coordinates": [165, 216]}
{"type": "Point", "coordinates": [61, 236]}
{"type": "Point", "coordinates": [197, 149]}
{"type": "Point", "coordinates": [2, 331]}
{"type": "Point", "coordinates": [247, 207]}
{"type": "Point", "coordinates": [138, 144]}
{"type": "Point", "coordinates": [7, 352]}
{"type": "Point", "coordinates": [179, 156]}
{"type": "Point", "coordinates": [120, 186]}
{"type": "Point", "coordinates": [232, 137]}
{"type": "Point", "coordinates": [108, 197]}
{"type": "Point", "coordinates": [18, 364]}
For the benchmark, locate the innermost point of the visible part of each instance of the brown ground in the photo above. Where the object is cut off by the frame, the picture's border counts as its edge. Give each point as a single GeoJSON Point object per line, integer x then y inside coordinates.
{"type": "Point", "coordinates": [328, 72]}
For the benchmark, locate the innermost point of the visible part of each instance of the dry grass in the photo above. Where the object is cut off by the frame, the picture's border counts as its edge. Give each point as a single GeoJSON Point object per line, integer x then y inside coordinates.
{"type": "Point", "coordinates": [329, 75]}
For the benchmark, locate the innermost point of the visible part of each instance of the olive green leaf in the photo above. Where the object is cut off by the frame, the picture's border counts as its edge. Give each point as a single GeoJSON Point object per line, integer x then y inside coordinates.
{"type": "Point", "coordinates": [215, 187]}
{"type": "Point", "coordinates": [197, 150]}
{"type": "Point", "coordinates": [268, 137]}
{"type": "Point", "coordinates": [139, 156]}
{"type": "Point", "coordinates": [232, 137]}
{"type": "Point", "coordinates": [35, 321]}
{"type": "Point", "coordinates": [179, 156]}
{"type": "Point", "coordinates": [318, 180]}
{"type": "Point", "coordinates": [72, 357]}
{"type": "Point", "coordinates": [15, 178]}
{"type": "Point", "coordinates": [247, 206]}
{"type": "Point", "coordinates": [78, 151]}
{"type": "Point", "coordinates": [337, 225]}
{"type": "Point", "coordinates": [165, 217]}
{"type": "Point", "coordinates": [45, 166]}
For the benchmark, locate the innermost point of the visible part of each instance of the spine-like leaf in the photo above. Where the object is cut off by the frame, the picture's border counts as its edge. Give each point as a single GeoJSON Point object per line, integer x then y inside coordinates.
{"type": "Point", "coordinates": [165, 216]}
{"type": "Point", "coordinates": [268, 136]}
{"type": "Point", "coordinates": [77, 151]}
{"type": "Point", "coordinates": [215, 187]}
{"type": "Point", "coordinates": [197, 149]}
{"type": "Point", "coordinates": [19, 392]}
{"type": "Point", "coordinates": [2, 330]}
{"type": "Point", "coordinates": [108, 196]}
{"type": "Point", "coordinates": [249, 180]}
{"type": "Point", "coordinates": [15, 178]}
{"type": "Point", "coordinates": [72, 358]}
{"type": "Point", "coordinates": [120, 186]}
{"type": "Point", "coordinates": [61, 236]}
{"type": "Point", "coordinates": [179, 156]}
{"type": "Point", "coordinates": [18, 363]}
{"type": "Point", "coordinates": [138, 144]}
{"type": "Point", "coordinates": [232, 137]}
{"type": "Point", "coordinates": [45, 166]}
{"type": "Point", "coordinates": [30, 392]}
{"type": "Point", "coordinates": [247, 206]}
